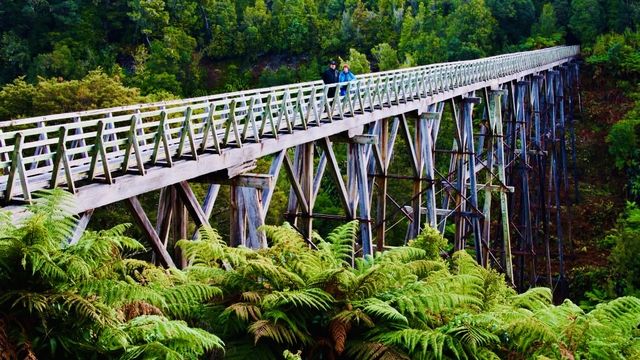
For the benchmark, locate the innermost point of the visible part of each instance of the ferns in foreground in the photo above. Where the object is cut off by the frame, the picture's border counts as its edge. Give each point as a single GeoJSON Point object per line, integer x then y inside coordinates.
{"type": "Point", "coordinates": [87, 299]}
{"type": "Point", "coordinates": [91, 299]}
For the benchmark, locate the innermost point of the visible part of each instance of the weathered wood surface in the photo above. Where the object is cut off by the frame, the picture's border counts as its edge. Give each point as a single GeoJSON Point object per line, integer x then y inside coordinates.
{"type": "Point", "coordinates": [135, 149]}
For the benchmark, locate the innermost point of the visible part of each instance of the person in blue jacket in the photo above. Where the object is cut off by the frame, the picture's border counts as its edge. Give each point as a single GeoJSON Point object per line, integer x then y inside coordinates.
{"type": "Point", "coordinates": [345, 76]}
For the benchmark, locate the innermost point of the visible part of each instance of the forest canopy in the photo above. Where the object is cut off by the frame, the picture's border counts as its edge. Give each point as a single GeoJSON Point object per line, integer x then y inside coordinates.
{"type": "Point", "coordinates": [193, 47]}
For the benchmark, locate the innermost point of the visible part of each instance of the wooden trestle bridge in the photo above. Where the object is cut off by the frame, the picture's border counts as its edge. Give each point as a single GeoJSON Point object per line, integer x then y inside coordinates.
{"type": "Point", "coordinates": [514, 147]}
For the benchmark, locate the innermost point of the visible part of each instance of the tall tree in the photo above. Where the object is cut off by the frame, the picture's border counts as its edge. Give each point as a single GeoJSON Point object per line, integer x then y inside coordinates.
{"type": "Point", "coordinates": [256, 23]}
{"type": "Point", "coordinates": [223, 28]}
{"type": "Point", "coordinates": [514, 19]}
{"type": "Point", "coordinates": [470, 30]}
{"type": "Point", "coordinates": [587, 20]}
{"type": "Point", "coordinates": [386, 57]}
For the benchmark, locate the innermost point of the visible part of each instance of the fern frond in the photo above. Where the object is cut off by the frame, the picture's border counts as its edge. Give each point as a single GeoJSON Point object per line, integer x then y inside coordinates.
{"type": "Point", "coordinates": [84, 309]}
{"type": "Point", "coordinates": [33, 302]}
{"type": "Point", "coordinates": [365, 350]}
{"type": "Point", "coordinates": [356, 316]}
{"type": "Point", "coordinates": [381, 310]}
{"type": "Point", "coordinates": [403, 255]}
{"type": "Point", "coordinates": [368, 283]}
{"type": "Point", "coordinates": [338, 330]}
{"type": "Point", "coordinates": [341, 241]}
{"type": "Point", "coordinates": [422, 268]}
{"type": "Point", "coordinates": [253, 297]}
{"type": "Point", "coordinates": [278, 276]}
{"type": "Point", "coordinates": [473, 332]}
{"type": "Point", "coordinates": [312, 298]}
{"type": "Point", "coordinates": [417, 342]}
{"type": "Point", "coordinates": [533, 299]}
{"type": "Point", "coordinates": [152, 336]}
{"type": "Point", "coordinates": [277, 332]}
{"type": "Point", "coordinates": [37, 258]}
{"type": "Point", "coordinates": [526, 332]}
{"type": "Point", "coordinates": [117, 293]}
{"type": "Point", "coordinates": [622, 313]}
{"type": "Point", "coordinates": [138, 308]}
{"type": "Point", "coordinates": [181, 298]}
{"type": "Point", "coordinates": [244, 311]}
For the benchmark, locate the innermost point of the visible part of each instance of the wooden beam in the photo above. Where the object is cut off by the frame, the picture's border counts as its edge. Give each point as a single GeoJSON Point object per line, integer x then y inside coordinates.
{"type": "Point", "coordinates": [165, 213]}
{"type": "Point", "coordinates": [365, 139]}
{"type": "Point", "coordinates": [406, 135]}
{"type": "Point", "coordinates": [193, 205]}
{"type": "Point", "coordinates": [180, 223]}
{"type": "Point", "coordinates": [334, 169]}
{"type": "Point", "coordinates": [381, 182]}
{"type": "Point", "coordinates": [295, 185]}
{"type": "Point", "coordinates": [256, 181]}
{"type": "Point", "coordinates": [255, 239]}
{"type": "Point", "coordinates": [143, 221]}
{"type": "Point", "coordinates": [224, 176]}
{"type": "Point", "coordinates": [237, 217]}
{"type": "Point", "coordinates": [210, 199]}
{"type": "Point", "coordinates": [274, 171]}
{"type": "Point", "coordinates": [81, 226]}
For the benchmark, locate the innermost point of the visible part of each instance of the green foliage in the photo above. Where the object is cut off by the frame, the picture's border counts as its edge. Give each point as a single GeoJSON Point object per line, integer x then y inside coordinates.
{"type": "Point", "coordinates": [587, 20]}
{"type": "Point", "coordinates": [85, 298]}
{"type": "Point", "coordinates": [431, 241]}
{"type": "Point", "coordinates": [515, 15]}
{"type": "Point", "coordinates": [386, 57]}
{"type": "Point", "coordinates": [358, 63]}
{"type": "Point", "coordinates": [470, 30]}
{"type": "Point", "coordinates": [545, 32]}
{"type": "Point", "coordinates": [90, 299]}
{"type": "Point", "coordinates": [624, 142]}
{"type": "Point", "coordinates": [50, 96]}
{"type": "Point", "coordinates": [617, 54]}
{"type": "Point", "coordinates": [627, 242]}
{"type": "Point", "coordinates": [188, 45]}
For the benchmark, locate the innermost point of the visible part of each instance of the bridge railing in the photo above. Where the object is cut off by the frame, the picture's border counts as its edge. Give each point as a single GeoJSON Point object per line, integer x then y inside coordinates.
{"type": "Point", "coordinates": [48, 151]}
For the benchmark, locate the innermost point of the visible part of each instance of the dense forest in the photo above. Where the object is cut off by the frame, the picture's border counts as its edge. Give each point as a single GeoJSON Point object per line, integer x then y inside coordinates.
{"type": "Point", "coordinates": [101, 298]}
{"type": "Point", "coordinates": [188, 48]}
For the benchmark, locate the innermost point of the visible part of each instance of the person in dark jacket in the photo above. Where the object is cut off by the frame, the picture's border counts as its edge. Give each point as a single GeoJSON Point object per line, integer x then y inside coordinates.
{"type": "Point", "coordinates": [330, 76]}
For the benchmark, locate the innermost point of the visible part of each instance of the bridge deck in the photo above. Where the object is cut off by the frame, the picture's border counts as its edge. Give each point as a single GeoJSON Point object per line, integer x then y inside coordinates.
{"type": "Point", "coordinates": [109, 155]}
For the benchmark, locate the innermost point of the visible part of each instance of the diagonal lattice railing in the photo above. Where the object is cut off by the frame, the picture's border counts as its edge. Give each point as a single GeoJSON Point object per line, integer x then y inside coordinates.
{"type": "Point", "coordinates": [74, 148]}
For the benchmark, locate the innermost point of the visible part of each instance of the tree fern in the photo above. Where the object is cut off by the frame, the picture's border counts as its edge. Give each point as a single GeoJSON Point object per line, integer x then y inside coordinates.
{"type": "Point", "coordinates": [367, 350]}
{"type": "Point", "coordinates": [528, 334]}
{"type": "Point", "coordinates": [382, 310]}
{"type": "Point", "coordinates": [305, 298]}
{"type": "Point", "coordinates": [421, 344]}
{"type": "Point", "coordinates": [622, 313]}
{"type": "Point", "coordinates": [152, 336]}
{"type": "Point", "coordinates": [533, 299]}
{"type": "Point", "coordinates": [339, 244]}
{"type": "Point", "coordinates": [244, 311]}
{"type": "Point", "coordinates": [278, 332]}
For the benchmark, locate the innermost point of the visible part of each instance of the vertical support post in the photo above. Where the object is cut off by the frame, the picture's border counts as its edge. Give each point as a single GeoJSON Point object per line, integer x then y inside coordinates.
{"type": "Point", "coordinates": [237, 216]}
{"type": "Point", "coordinates": [556, 171]}
{"type": "Point", "coordinates": [429, 130]}
{"type": "Point", "coordinates": [495, 123]}
{"type": "Point", "coordinates": [180, 222]}
{"type": "Point", "coordinates": [416, 224]}
{"type": "Point", "coordinates": [467, 117]}
{"type": "Point", "coordinates": [306, 180]}
{"type": "Point", "coordinates": [540, 161]}
{"type": "Point", "coordinates": [292, 206]}
{"type": "Point", "coordinates": [381, 183]}
{"type": "Point", "coordinates": [526, 244]}
{"type": "Point", "coordinates": [364, 205]}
